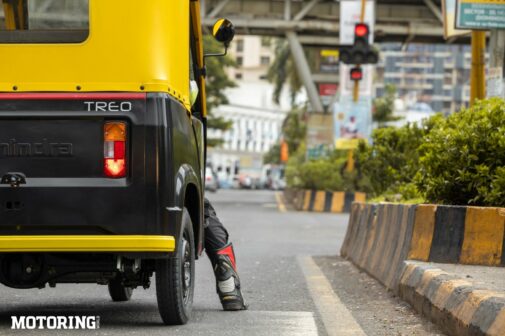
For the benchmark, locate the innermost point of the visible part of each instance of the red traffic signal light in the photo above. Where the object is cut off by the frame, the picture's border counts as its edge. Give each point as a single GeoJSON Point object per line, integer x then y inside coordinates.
{"type": "Point", "coordinates": [361, 30]}
{"type": "Point", "coordinates": [356, 74]}
{"type": "Point", "coordinates": [360, 52]}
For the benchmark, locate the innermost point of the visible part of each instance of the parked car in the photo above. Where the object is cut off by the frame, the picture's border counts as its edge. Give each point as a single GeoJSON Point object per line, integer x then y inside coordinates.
{"type": "Point", "coordinates": [211, 180]}
{"type": "Point", "coordinates": [272, 177]}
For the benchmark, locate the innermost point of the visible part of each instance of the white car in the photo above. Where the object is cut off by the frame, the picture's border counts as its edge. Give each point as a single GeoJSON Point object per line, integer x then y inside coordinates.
{"type": "Point", "coordinates": [211, 183]}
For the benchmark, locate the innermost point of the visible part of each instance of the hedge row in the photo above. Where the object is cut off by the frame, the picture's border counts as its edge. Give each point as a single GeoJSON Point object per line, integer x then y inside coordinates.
{"type": "Point", "coordinates": [455, 160]}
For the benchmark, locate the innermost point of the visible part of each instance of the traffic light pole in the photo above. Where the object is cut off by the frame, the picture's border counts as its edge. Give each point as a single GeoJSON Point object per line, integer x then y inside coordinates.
{"type": "Point", "coordinates": [355, 95]}
{"type": "Point", "coordinates": [350, 157]}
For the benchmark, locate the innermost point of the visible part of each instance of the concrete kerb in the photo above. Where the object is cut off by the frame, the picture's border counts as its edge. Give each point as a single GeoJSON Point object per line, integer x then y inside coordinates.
{"type": "Point", "coordinates": [322, 201]}
{"type": "Point", "coordinates": [453, 303]}
{"type": "Point", "coordinates": [382, 237]}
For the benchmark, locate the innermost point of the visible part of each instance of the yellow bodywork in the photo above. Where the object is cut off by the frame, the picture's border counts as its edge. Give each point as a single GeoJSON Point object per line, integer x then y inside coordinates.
{"type": "Point", "coordinates": [134, 46]}
{"type": "Point", "coordinates": [10, 244]}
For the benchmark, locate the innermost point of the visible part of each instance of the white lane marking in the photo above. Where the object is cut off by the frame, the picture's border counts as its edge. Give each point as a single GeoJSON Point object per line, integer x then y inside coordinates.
{"type": "Point", "coordinates": [253, 323]}
{"type": "Point", "coordinates": [280, 202]}
{"type": "Point", "coordinates": [337, 319]}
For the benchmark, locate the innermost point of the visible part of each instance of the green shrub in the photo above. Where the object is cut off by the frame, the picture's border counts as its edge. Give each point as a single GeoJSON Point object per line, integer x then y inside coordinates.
{"type": "Point", "coordinates": [455, 160]}
{"type": "Point", "coordinates": [293, 179]}
{"type": "Point", "coordinates": [391, 163]}
{"type": "Point", "coordinates": [320, 175]}
{"type": "Point", "coordinates": [463, 157]}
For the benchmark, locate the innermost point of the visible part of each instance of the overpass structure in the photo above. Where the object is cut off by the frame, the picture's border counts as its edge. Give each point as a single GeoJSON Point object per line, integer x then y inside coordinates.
{"type": "Point", "coordinates": [315, 23]}
{"type": "Point", "coordinates": [304, 23]}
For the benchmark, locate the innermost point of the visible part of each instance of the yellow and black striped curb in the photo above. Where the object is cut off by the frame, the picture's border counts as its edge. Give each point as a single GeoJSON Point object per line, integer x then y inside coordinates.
{"type": "Point", "coordinates": [453, 303]}
{"type": "Point", "coordinates": [323, 201]}
{"type": "Point", "coordinates": [444, 234]}
{"type": "Point", "coordinates": [378, 240]}
{"type": "Point", "coordinates": [381, 238]}
{"type": "Point", "coordinates": [464, 235]}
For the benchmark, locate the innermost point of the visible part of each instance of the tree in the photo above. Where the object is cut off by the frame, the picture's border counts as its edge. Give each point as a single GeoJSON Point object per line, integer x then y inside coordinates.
{"type": "Point", "coordinates": [294, 129]}
{"type": "Point", "coordinates": [282, 71]}
{"type": "Point", "coordinates": [217, 82]}
{"type": "Point", "coordinates": [273, 156]}
{"type": "Point", "coordinates": [384, 106]}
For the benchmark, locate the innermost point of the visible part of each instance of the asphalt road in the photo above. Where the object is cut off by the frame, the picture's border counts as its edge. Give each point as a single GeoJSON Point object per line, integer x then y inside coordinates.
{"type": "Point", "coordinates": [288, 291]}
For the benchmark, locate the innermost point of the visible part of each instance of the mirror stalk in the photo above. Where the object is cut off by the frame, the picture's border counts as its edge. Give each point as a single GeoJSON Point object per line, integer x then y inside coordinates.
{"type": "Point", "coordinates": [219, 54]}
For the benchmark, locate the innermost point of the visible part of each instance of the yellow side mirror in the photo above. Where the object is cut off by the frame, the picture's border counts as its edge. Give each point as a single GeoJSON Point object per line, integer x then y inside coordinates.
{"type": "Point", "coordinates": [224, 31]}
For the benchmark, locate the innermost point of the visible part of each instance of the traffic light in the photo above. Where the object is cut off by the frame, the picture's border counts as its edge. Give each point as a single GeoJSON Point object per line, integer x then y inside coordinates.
{"type": "Point", "coordinates": [361, 52]}
{"type": "Point", "coordinates": [356, 74]}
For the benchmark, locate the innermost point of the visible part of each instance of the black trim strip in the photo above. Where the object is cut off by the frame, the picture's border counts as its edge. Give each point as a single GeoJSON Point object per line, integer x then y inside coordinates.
{"type": "Point", "coordinates": [348, 200]}
{"type": "Point", "coordinates": [328, 200]}
{"type": "Point", "coordinates": [312, 200]}
{"type": "Point", "coordinates": [448, 235]}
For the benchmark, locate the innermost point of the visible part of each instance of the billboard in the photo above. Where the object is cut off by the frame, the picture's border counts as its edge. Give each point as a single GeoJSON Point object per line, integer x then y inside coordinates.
{"type": "Point", "coordinates": [328, 61]}
{"type": "Point", "coordinates": [480, 14]}
{"type": "Point", "coordinates": [319, 135]}
{"type": "Point", "coordinates": [352, 121]}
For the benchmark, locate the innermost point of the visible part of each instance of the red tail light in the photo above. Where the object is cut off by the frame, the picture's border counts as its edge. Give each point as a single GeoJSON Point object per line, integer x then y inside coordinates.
{"type": "Point", "coordinates": [114, 149]}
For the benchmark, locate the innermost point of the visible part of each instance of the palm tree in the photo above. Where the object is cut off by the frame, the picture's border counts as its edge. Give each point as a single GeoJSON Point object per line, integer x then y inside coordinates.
{"type": "Point", "coordinates": [283, 71]}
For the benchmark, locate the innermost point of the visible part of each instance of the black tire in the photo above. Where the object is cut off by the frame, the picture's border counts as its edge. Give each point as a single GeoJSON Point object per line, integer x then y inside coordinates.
{"type": "Point", "coordinates": [175, 278]}
{"type": "Point", "coordinates": [118, 292]}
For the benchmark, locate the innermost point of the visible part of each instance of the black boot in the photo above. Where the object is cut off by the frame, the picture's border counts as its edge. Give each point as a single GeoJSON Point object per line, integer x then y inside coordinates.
{"type": "Point", "coordinates": [227, 280]}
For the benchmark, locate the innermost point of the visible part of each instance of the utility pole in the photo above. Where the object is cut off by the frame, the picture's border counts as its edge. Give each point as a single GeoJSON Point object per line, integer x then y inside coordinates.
{"type": "Point", "coordinates": [478, 82]}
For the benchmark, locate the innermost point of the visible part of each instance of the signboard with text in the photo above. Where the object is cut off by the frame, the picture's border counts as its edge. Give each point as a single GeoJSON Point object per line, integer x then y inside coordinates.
{"type": "Point", "coordinates": [328, 61]}
{"type": "Point", "coordinates": [480, 14]}
{"type": "Point", "coordinates": [319, 135]}
{"type": "Point", "coordinates": [495, 83]}
{"type": "Point", "coordinates": [328, 89]}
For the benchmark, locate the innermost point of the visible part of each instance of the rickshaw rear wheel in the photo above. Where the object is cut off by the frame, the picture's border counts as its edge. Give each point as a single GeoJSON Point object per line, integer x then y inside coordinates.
{"type": "Point", "coordinates": [175, 278]}
{"type": "Point", "coordinates": [118, 292]}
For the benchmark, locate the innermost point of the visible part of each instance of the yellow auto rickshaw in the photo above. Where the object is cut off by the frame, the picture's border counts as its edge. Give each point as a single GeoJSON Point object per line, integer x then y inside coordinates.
{"type": "Point", "coordinates": [102, 145]}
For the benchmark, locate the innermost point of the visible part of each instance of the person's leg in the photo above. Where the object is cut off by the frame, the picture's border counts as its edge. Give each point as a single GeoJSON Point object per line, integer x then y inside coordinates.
{"type": "Point", "coordinates": [222, 257]}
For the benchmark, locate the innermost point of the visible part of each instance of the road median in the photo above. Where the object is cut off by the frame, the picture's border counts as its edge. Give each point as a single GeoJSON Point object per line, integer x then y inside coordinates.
{"type": "Point", "coordinates": [383, 239]}
{"type": "Point", "coordinates": [323, 201]}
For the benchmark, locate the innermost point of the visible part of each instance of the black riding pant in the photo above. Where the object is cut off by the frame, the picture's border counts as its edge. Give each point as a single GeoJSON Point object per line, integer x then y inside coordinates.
{"type": "Point", "coordinates": [216, 236]}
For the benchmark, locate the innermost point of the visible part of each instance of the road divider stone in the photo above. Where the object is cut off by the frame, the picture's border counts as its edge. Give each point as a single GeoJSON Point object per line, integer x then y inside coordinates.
{"type": "Point", "coordinates": [322, 201]}
{"type": "Point", "coordinates": [385, 240]}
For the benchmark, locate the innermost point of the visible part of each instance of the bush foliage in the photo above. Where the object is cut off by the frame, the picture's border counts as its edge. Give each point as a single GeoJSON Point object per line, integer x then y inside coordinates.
{"type": "Point", "coordinates": [463, 157]}
{"type": "Point", "coordinates": [457, 160]}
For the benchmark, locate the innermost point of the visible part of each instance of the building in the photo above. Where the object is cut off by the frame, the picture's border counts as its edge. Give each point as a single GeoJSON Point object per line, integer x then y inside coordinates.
{"type": "Point", "coordinates": [436, 74]}
{"type": "Point", "coordinates": [256, 119]}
